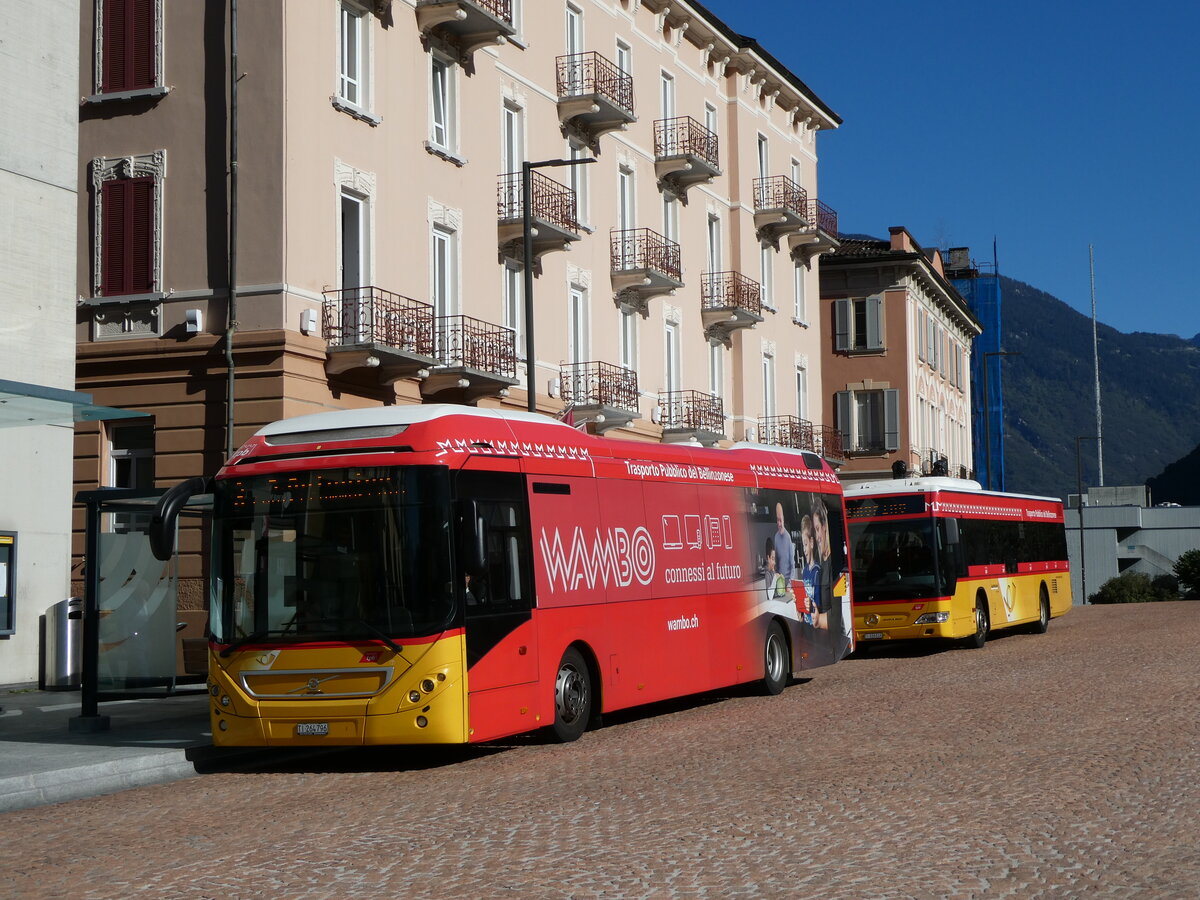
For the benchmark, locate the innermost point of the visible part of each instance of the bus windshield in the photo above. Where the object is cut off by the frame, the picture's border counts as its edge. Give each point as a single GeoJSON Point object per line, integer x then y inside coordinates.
{"type": "Point", "coordinates": [894, 559]}
{"type": "Point", "coordinates": [332, 554]}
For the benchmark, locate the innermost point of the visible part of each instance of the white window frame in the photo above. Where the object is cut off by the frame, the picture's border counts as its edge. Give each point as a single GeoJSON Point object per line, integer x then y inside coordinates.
{"type": "Point", "coordinates": [768, 384]}
{"type": "Point", "coordinates": [354, 94]}
{"type": "Point", "coordinates": [710, 117]}
{"type": "Point", "coordinates": [443, 92]}
{"type": "Point", "coordinates": [766, 258]}
{"type": "Point", "coordinates": [799, 294]}
{"type": "Point", "coordinates": [512, 137]}
{"type": "Point", "coordinates": [666, 94]}
{"type": "Point", "coordinates": [670, 217]}
{"type": "Point", "coordinates": [627, 325]}
{"type": "Point", "coordinates": [763, 151]}
{"type": "Point", "coordinates": [624, 58]}
{"type": "Point", "coordinates": [513, 292]}
{"type": "Point", "coordinates": [573, 34]}
{"type": "Point", "coordinates": [672, 366]}
{"type": "Point", "coordinates": [802, 391]}
{"type": "Point", "coordinates": [716, 368]}
{"type": "Point", "coordinates": [578, 337]}
{"type": "Point", "coordinates": [580, 183]}
{"type": "Point", "coordinates": [443, 270]}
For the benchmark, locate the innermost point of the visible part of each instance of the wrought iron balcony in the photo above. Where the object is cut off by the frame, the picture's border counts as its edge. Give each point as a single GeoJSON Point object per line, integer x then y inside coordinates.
{"type": "Point", "coordinates": [788, 431]}
{"type": "Point", "coordinates": [594, 96]}
{"type": "Point", "coordinates": [820, 235]}
{"type": "Point", "coordinates": [644, 264]}
{"type": "Point", "coordinates": [691, 415]}
{"type": "Point", "coordinates": [829, 444]}
{"type": "Point", "coordinates": [600, 393]}
{"type": "Point", "coordinates": [729, 301]}
{"type": "Point", "coordinates": [685, 153]}
{"type": "Point", "coordinates": [780, 207]}
{"type": "Point", "coordinates": [468, 24]}
{"type": "Point", "coordinates": [553, 212]}
{"type": "Point", "coordinates": [474, 359]}
{"type": "Point", "coordinates": [368, 327]}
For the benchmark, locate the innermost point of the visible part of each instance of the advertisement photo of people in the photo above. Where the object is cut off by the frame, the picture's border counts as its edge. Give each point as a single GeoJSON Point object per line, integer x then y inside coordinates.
{"type": "Point", "coordinates": [800, 541]}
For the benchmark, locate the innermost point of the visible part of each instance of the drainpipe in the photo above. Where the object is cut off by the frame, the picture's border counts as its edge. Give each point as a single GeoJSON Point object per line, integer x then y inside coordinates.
{"type": "Point", "coordinates": [231, 325]}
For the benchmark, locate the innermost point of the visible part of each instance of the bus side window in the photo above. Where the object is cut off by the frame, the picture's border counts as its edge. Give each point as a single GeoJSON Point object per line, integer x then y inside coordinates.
{"type": "Point", "coordinates": [494, 551]}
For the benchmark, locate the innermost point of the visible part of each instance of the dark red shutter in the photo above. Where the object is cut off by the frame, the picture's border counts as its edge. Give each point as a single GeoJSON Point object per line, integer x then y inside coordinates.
{"type": "Point", "coordinates": [128, 45]}
{"type": "Point", "coordinates": [127, 236]}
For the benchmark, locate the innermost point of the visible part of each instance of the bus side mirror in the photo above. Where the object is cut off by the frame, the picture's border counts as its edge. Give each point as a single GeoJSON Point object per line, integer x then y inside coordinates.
{"type": "Point", "coordinates": [471, 537]}
{"type": "Point", "coordinates": [166, 515]}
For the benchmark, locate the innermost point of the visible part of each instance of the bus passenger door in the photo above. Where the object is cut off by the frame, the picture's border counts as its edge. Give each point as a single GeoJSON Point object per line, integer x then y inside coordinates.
{"type": "Point", "coordinates": [497, 586]}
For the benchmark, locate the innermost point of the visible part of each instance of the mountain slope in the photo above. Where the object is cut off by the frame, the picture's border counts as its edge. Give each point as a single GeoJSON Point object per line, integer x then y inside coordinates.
{"type": "Point", "coordinates": [1150, 396]}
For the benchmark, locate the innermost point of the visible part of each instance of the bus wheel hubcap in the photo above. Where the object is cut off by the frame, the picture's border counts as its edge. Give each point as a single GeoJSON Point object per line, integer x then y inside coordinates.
{"type": "Point", "coordinates": [570, 694]}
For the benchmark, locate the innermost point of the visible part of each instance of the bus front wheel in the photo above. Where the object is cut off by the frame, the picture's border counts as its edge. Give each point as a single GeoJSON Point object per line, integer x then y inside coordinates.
{"type": "Point", "coordinates": [572, 697]}
{"type": "Point", "coordinates": [1043, 621]}
{"type": "Point", "coordinates": [982, 624]}
{"type": "Point", "coordinates": [776, 661]}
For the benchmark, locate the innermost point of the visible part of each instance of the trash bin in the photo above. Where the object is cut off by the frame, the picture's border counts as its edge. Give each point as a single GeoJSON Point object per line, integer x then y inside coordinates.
{"type": "Point", "coordinates": [64, 645]}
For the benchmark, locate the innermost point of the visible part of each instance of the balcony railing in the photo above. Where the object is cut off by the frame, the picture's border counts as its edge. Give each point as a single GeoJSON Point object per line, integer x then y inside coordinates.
{"type": "Point", "coordinates": [465, 342]}
{"type": "Point", "coordinates": [641, 248]}
{"type": "Point", "coordinates": [371, 315]}
{"type": "Point", "coordinates": [780, 192]}
{"type": "Point", "coordinates": [599, 384]}
{"type": "Point", "coordinates": [684, 136]}
{"type": "Point", "coordinates": [692, 411]}
{"type": "Point", "coordinates": [788, 431]}
{"type": "Point", "coordinates": [590, 73]}
{"type": "Point", "coordinates": [551, 202]}
{"type": "Point", "coordinates": [825, 217]}
{"type": "Point", "coordinates": [730, 290]}
{"type": "Point", "coordinates": [829, 442]}
{"type": "Point", "coordinates": [501, 9]}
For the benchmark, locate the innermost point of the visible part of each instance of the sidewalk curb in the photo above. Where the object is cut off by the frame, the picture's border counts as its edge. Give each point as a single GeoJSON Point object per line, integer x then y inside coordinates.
{"type": "Point", "coordinates": [80, 782]}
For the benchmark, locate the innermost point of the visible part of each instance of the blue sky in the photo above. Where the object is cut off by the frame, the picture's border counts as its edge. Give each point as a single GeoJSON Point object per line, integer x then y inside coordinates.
{"type": "Point", "coordinates": [1046, 125]}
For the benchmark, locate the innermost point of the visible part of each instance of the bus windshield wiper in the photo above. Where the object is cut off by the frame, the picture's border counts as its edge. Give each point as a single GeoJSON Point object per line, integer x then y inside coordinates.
{"type": "Point", "coordinates": [375, 630]}
{"type": "Point", "coordinates": [243, 641]}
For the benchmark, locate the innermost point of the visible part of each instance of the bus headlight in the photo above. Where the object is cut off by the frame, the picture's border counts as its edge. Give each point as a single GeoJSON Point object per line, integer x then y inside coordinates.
{"type": "Point", "coordinates": [933, 618]}
{"type": "Point", "coordinates": [427, 685]}
{"type": "Point", "coordinates": [414, 696]}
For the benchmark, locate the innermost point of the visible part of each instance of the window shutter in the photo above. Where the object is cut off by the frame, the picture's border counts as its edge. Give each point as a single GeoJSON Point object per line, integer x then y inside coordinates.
{"type": "Point", "coordinates": [841, 325]}
{"type": "Point", "coordinates": [113, 200]}
{"type": "Point", "coordinates": [127, 236]}
{"type": "Point", "coordinates": [129, 45]}
{"type": "Point", "coordinates": [874, 323]}
{"type": "Point", "coordinates": [891, 419]}
{"type": "Point", "coordinates": [920, 335]}
{"type": "Point", "coordinates": [141, 42]}
{"type": "Point", "coordinates": [843, 401]}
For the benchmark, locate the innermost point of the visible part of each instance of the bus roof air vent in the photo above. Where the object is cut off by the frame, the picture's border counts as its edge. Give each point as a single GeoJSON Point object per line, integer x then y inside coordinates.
{"type": "Point", "coordinates": [332, 435]}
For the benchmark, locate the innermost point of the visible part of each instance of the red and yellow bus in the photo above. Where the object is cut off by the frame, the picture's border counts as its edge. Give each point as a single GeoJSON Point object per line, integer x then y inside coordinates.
{"type": "Point", "coordinates": [943, 558]}
{"type": "Point", "coordinates": [446, 574]}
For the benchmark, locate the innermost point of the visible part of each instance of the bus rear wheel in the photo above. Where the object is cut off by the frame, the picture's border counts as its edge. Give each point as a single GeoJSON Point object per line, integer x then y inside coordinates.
{"type": "Point", "coordinates": [572, 697]}
{"type": "Point", "coordinates": [1043, 622]}
{"type": "Point", "coordinates": [983, 624]}
{"type": "Point", "coordinates": [776, 661]}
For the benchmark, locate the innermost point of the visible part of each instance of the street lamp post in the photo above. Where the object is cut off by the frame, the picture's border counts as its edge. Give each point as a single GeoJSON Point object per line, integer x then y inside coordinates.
{"type": "Point", "coordinates": [987, 415]}
{"type": "Point", "coordinates": [1079, 505]}
{"type": "Point", "coordinates": [527, 240]}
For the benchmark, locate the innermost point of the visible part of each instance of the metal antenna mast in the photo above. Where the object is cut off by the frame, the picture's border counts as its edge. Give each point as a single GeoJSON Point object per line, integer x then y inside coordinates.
{"type": "Point", "coordinates": [1096, 358]}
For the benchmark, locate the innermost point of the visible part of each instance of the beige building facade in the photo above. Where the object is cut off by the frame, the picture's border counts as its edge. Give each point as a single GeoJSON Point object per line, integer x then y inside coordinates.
{"type": "Point", "coordinates": [379, 221]}
{"type": "Point", "coordinates": [896, 366]}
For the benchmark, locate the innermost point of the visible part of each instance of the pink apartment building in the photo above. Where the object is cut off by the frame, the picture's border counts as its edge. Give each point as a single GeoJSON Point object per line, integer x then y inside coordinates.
{"type": "Point", "coordinates": [896, 359]}
{"type": "Point", "coordinates": [379, 222]}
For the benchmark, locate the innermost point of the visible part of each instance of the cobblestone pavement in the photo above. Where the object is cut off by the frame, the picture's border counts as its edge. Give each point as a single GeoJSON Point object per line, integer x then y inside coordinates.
{"type": "Point", "coordinates": [1060, 765]}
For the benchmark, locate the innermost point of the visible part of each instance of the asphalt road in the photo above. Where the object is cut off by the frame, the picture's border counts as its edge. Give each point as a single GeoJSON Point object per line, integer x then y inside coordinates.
{"type": "Point", "coordinates": [1059, 765]}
